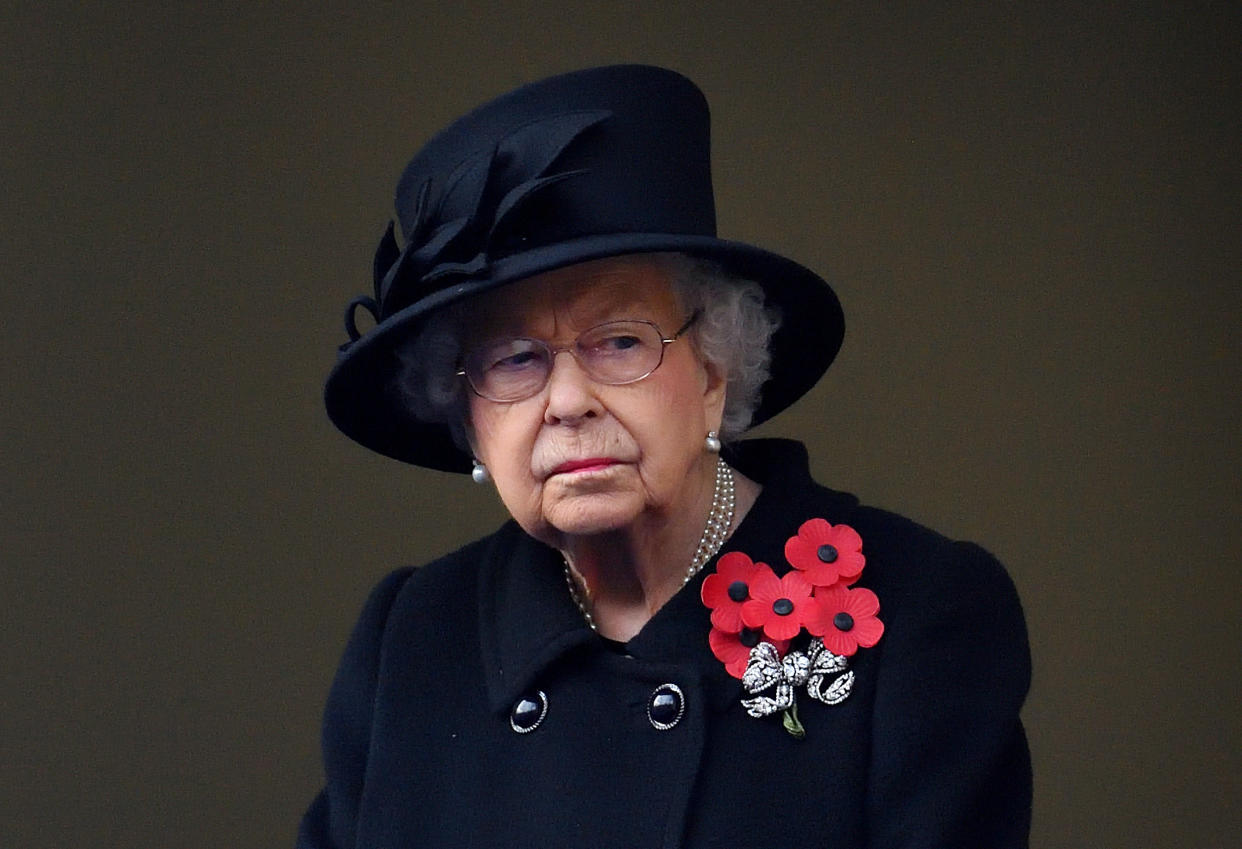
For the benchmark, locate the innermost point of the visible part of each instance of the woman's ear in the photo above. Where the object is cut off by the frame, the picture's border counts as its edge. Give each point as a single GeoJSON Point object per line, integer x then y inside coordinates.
{"type": "Point", "coordinates": [714, 387]}
{"type": "Point", "coordinates": [467, 432]}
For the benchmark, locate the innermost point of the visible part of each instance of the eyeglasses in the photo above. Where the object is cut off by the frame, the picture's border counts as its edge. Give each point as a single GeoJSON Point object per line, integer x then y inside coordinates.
{"type": "Point", "coordinates": [614, 353]}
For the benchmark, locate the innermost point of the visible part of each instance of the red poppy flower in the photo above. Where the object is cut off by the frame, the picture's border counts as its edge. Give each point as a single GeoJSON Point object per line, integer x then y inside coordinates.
{"type": "Point", "coordinates": [826, 553]}
{"type": "Point", "coordinates": [778, 605]}
{"type": "Point", "coordinates": [845, 619]}
{"type": "Point", "coordinates": [733, 650]}
{"type": "Point", "coordinates": [725, 589]}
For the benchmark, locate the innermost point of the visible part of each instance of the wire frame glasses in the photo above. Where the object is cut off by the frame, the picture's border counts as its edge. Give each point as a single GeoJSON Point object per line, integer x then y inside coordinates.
{"type": "Point", "coordinates": [515, 368]}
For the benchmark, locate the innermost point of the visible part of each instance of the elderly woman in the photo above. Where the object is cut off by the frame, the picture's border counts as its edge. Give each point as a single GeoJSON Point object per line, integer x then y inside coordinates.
{"type": "Point", "coordinates": [680, 639]}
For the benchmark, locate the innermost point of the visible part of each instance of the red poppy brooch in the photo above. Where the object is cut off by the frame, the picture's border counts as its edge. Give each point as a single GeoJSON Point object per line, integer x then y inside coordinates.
{"type": "Point", "coordinates": [757, 617]}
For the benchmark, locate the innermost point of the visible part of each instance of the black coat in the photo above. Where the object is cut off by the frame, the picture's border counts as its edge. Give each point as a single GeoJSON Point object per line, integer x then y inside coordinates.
{"type": "Point", "coordinates": [927, 751]}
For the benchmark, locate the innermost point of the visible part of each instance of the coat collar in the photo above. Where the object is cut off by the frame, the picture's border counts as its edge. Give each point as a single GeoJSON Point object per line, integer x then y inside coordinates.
{"type": "Point", "coordinates": [528, 620]}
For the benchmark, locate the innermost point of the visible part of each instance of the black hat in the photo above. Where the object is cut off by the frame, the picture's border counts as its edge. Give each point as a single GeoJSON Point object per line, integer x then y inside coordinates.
{"type": "Point", "coordinates": [582, 166]}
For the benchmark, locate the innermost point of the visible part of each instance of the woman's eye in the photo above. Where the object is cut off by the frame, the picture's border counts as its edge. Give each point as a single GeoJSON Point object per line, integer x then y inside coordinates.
{"type": "Point", "coordinates": [514, 355]}
{"type": "Point", "coordinates": [514, 362]}
{"type": "Point", "coordinates": [613, 344]}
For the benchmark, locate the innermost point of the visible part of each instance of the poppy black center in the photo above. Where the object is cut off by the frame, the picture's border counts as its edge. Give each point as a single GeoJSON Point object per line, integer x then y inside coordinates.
{"type": "Point", "coordinates": [738, 591]}
{"type": "Point", "coordinates": [827, 553]}
{"type": "Point", "coordinates": [782, 607]}
{"type": "Point", "coordinates": [843, 621]}
{"type": "Point", "coordinates": [749, 638]}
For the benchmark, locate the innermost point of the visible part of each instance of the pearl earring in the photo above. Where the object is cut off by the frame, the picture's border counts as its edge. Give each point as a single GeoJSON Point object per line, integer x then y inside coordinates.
{"type": "Point", "coordinates": [712, 442]}
{"type": "Point", "coordinates": [479, 473]}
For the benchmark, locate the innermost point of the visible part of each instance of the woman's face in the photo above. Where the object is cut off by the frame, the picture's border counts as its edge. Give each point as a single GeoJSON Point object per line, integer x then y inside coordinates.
{"type": "Point", "coordinates": [581, 457]}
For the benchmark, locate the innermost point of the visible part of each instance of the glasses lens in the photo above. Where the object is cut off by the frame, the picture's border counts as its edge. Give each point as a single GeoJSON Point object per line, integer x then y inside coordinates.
{"type": "Point", "coordinates": [509, 369]}
{"type": "Point", "coordinates": [517, 368]}
{"type": "Point", "coordinates": [620, 351]}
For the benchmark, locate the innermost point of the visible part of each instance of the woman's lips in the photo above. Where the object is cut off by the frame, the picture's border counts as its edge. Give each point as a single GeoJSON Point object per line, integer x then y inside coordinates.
{"type": "Point", "coordinates": [589, 464]}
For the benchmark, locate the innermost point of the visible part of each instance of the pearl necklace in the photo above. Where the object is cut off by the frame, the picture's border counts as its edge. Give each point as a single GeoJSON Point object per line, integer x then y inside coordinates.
{"type": "Point", "coordinates": [719, 523]}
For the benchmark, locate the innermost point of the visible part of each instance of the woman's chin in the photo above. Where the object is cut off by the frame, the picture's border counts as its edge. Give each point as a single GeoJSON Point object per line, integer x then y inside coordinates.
{"type": "Point", "coordinates": [588, 514]}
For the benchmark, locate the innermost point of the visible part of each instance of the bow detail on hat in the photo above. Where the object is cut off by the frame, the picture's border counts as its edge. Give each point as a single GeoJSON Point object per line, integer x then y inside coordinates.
{"type": "Point", "coordinates": [473, 217]}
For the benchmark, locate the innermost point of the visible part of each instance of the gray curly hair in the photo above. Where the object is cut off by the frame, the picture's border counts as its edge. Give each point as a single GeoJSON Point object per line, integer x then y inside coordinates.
{"type": "Point", "coordinates": [733, 333]}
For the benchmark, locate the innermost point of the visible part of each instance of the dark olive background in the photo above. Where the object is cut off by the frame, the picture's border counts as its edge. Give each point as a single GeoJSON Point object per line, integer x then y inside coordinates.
{"type": "Point", "coordinates": [1031, 214]}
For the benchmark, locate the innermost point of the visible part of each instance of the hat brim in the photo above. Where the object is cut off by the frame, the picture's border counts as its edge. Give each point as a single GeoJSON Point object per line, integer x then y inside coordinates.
{"type": "Point", "coordinates": [360, 400]}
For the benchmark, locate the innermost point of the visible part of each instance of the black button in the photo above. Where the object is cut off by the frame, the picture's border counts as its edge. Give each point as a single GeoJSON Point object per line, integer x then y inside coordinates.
{"type": "Point", "coordinates": [782, 607]}
{"type": "Point", "coordinates": [529, 712]}
{"type": "Point", "coordinates": [827, 553]}
{"type": "Point", "coordinates": [843, 621]}
{"type": "Point", "coordinates": [738, 591]}
{"type": "Point", "coordinates": [749, 637]}
{"type": "Point", "coordinates": [666, 706]}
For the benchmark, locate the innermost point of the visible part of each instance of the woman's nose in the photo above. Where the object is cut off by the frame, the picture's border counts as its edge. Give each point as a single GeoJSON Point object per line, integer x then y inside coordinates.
{"type": "Point", "coordinates": [571, 392]}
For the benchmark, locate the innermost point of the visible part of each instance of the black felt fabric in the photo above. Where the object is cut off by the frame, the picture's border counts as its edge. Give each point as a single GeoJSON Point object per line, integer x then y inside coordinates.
{"type": "Point", "coordinates": [927, 751]}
